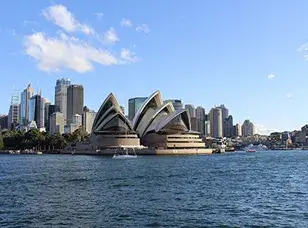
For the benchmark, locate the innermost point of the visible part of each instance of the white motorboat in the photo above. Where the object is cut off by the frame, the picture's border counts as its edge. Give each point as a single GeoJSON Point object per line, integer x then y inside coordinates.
{"type": "Point", "coordinates": [124, 156]}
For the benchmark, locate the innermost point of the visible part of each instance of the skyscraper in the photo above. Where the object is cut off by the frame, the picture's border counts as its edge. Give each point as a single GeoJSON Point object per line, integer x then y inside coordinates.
{"type": "Point", "coordinates": [61, 94]}
{"type": "Point", "coordinates": [75, 101]}
{"type": "Point", "coordinates": [224, 114]}
{"type": "Point", "coordinates": [37, 110]}
{"type": "Point", "coordinates": [247, 128]}
{"type": "Point", "coordinates": [23, 107]}
{"type": "Point", "coordinates": [49, 109]}
{"type": "Point", "coordinates": [88, 117]}
{"type": "Point", "coordinates": [13, 117]}
{"type": "Point", "coordinates": [228, 127]}
{"type": "Point", "coordinates": [191, 109]}
{"type": "Point", "coordinates": [133, 106]}
{"type": "Point", "coordinates": [237, 130]}
{"type": "Point", "coordinates": [177, 104]}
{"type": "Point", "coordinates": [216, 123]}
{"type": "Point", "coordinates": [200, 115]}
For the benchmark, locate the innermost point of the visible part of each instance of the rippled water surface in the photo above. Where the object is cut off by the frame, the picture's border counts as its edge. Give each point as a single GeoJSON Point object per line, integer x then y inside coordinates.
{"type": "Point", "coordinates": [264, 189]}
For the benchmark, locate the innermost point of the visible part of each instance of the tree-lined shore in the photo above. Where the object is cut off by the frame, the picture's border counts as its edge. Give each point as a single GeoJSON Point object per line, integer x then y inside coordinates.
{"type": "Point", "coordinates": [36, 140]}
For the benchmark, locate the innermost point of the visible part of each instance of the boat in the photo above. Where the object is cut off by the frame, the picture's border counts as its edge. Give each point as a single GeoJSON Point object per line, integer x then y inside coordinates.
{"type": "Point", "coordinates": [251, 150]}
{"type": "Point", "coordinates": [124, 156]}
{"type": "Point", "coordinates": [255, 148]}
{"type": "Point", "coordinates": [39, 153]}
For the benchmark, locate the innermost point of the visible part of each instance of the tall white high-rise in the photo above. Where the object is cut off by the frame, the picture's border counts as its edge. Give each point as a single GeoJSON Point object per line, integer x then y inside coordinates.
{"type": "Point", "coordinates": [216, 122]}
{"type": "Point", "coordinates": [61, 94]}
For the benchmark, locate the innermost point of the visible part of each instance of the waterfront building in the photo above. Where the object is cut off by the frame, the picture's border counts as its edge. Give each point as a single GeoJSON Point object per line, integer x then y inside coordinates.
{"type": "Point", "coordinates": [191, 110]}
{"type": "Point", "coordinates": [160, 126]}
{"type": "Point", "coordinates": [75, 101]}
{"type": "Point", "coordinates": [88, 117]}
{"type": "Point", "coordinates": [247, 128]}
{"type": "Point", "coordinates": [134, 105]}
{"type": "Point", "coordinates": [111, 128]}
{"type": "Point", "coordinates": [216, 122]}
{"type": "Point", "coordinates": [61, 94]}
{"type": "Point", "coordinates": [56, 123]}
{"type": "Point", "coordinates": [177, 104]}
{"type": "Point", "coordinates": [24, 104]}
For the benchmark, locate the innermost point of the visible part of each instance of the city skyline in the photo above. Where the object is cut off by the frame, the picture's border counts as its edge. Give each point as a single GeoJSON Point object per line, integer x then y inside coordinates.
{"type": "Point", "coordinates": [258, 80]}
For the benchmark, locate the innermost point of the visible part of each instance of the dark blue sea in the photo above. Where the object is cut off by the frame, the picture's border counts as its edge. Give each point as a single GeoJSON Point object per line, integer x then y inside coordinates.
{"type": "Point", "coordinates": [263, 189]}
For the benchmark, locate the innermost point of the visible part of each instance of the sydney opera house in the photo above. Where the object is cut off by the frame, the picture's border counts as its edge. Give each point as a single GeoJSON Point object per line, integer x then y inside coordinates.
{"type": "Point", "coordinates": [157, 128]}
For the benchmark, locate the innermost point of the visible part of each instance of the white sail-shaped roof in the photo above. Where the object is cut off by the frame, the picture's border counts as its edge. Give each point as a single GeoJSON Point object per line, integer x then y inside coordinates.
{"type": "Point", "coordinates": [154, 116]}
{"type": "Point", "coordinates": [110, 117]}
{"type": "Point", "coordinates": [154, 101]}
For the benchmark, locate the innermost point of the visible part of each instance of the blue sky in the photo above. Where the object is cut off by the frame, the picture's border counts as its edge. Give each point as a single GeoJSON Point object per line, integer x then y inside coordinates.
{"type": "Point", "coordinates": [248, 55]}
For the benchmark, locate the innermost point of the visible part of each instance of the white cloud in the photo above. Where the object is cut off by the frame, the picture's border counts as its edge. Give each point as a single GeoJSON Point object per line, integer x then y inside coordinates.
{"type": "Point", "coordinates": [67, 51]}
{"type": "Point", "coordinates": [126, 23]}
{"type": "Point", "coordinates": [289, 95]}
{"type": "Point", "coordinates": [270, 76]}
{"type": "Point", "coordinates": [111, 36]}
{"type": "Point", "coordinates": [99, 16]}
{"type": "Point", "coordinates": [143, 28]}
{"type": "Point", "coordinates": [63, 18]}
{"type": "Point", "coordinates": [262, 130]}
{"type": "Point", "coordinates": [302, 48]}
{"type": "Point", "coordinates": [55, 54]}
{"type": "Point", "coordinates": [128, 56]}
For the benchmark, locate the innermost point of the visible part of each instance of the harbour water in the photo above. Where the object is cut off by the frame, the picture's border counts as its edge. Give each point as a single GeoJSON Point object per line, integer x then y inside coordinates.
{"type": "Point", "coordinates": [263, 189]}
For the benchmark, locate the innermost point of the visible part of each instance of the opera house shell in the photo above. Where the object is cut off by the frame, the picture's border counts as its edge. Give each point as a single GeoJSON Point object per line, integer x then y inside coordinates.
{"type": "Point", "coordinates": [159, 125]}
{"type": "Point", "coordinates": [111, 128]}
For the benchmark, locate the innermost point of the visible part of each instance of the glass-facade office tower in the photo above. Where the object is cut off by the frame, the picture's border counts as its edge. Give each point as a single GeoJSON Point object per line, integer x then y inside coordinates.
{"type": "Point", "coordinates": [133, 106]}
{"type": "Point", "coordinates": [36, 110]}
{"type": "Point", "coordinates": [23, 107]}
{"type": "Point", "coordinates": [61, 94]}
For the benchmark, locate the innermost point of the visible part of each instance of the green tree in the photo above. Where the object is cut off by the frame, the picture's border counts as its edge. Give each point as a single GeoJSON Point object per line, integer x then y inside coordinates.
{"type": "Point", "coordinates": [14, 139]}
{"type": "Point", "coordinates": [34, 138]}
{"type": "Point", "coordinates": [1, 142]}
{"type": "Point", "coordinates": [80, 135]}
